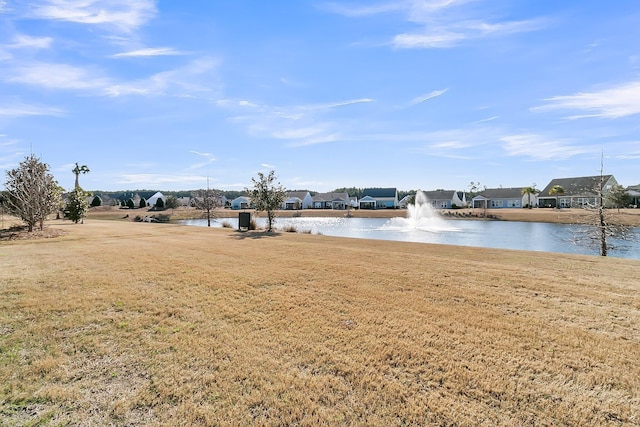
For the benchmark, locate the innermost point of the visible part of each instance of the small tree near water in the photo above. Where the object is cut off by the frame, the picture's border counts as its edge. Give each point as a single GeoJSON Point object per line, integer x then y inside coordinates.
{"type": "Point", "coordinates": [206, 200]}
{"type": "Point", "coordinates": [602, 227]}
{"type": "Point", "coordinates": [267, 195]}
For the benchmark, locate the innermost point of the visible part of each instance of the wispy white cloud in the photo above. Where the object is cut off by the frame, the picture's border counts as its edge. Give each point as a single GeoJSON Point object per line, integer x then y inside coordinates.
{"type": "Point", "coordinates": [151, 51]}
{"type": "Point", "coordinates": [449, 34]}
{"type": "Point", "coordinates": [209, 158]}
{"type": "Point", "coordinates": [199, 153]}
{"type": "Point", "coordinates": [428, 96]}
{"type": "Point", "coordinates": [56, 76]}
{"type": "Point", "coordinates": [441, 23]}
{"type": "Point", "coordinates": [612, 103]}
{"type": "Point", "coordinates": [539, 147]}
{"type": "Point", "coordinates": [464, 143]}
{"type": "Point", "coordinates": [488, 119]}
{"type": "Point", "coordinates": [189, 79]}
{"type": "Point", "coordinates": [439, 39]}
{"type": "Point", "coordinates": [22, 41]}
{"type": "Point", "coordinates": [300, 125]}
{"type": "Point", "coordinates": [334, 104]}
{"type": "Point", "coordinates": [122, 15]}
{"type": "Point", "coordinates": [317, 139]}
{"type": "Point", "coordinates": [267, 166]}
{"type": "Point", "coordinates": [22, 110]}
{"type": "Point", "coordinates": [345, 10]}
{"type": "Point", "coordinates": [192, 78]}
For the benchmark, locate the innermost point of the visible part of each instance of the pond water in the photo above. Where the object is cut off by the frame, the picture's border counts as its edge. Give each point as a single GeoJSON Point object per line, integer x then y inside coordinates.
{"type": "Point", "coordinates": [532, 236]}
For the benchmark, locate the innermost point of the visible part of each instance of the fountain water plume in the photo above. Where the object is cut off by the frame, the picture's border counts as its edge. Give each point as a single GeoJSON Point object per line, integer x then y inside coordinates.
{"type": "Point", "coordinates": [420, 216]}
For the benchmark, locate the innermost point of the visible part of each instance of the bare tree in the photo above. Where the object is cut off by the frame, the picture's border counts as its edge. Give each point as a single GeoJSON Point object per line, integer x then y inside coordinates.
{"type": "Point", "coordinates": [33, 193]}
{"type": "Point", "coordinates": [206, 200]}
{"type": "Point", "coordinates": [600, 228]}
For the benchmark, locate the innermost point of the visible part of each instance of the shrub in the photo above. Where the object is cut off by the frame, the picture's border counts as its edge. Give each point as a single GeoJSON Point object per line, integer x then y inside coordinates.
{"type": "Point", "coordinates": [226, 224]}
{"type": "Point", "coordinates": [143, 203]}
{"type": "Point", "coordinates": [160, 203]}
{"type": "Point", "coordinates": [291, 229]}
{"type": "Point", "coordinates": [253, 225]}
{"type": "Point", "coordinates": [97, 201]}
{"type": "Point", "coordinates": [162, 217]}
{"type": "Point", "coordinates": [131, 204]}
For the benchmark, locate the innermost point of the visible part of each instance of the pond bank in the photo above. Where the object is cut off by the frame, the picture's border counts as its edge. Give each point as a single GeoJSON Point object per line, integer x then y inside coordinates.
{"type": "Point", "coordinates": [629, 217]}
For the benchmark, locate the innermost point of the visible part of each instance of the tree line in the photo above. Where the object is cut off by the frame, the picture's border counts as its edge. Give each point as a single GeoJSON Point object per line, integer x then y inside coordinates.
{"type": "Point", "coordinates": [32, 194]}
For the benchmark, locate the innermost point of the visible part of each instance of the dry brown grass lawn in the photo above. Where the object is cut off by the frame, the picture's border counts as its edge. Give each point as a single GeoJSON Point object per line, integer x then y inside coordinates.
{"type": "Point", "coordinates": [121, 323]}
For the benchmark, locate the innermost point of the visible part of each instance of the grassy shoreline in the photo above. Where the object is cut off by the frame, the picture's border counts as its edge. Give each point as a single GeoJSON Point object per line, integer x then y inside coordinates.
{"type": "Point", "coordinates": [117, 322]}
{"type": "Point", "coordinates": [629, 217]}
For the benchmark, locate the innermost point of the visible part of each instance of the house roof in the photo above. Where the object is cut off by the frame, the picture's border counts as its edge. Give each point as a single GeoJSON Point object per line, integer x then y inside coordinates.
{"type": "Point", "coordinates": [241, 199]}
{"type": "Point", "coordinates": [502, 193]}
{"type": "Point", "coordinates": [380, 192]}
{"type": "Point", "coordinates": [299, 194]}
{"type": "Point", "coordinates": [439, 194]}
{"type": "Point", "coordinates": [328, 197]}
{"type": "Point", "coordinates": [580, 186]}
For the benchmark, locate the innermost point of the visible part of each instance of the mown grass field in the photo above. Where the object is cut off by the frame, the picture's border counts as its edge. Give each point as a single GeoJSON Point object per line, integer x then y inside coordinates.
{"type": "Point", "coordinates": [122, 323]}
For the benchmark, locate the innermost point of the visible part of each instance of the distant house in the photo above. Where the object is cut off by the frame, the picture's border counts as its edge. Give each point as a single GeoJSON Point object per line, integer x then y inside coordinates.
{"type": "Point", "coordinates": [353, 201]}
{"type": "Point", "coordinates": [184, 201]}
{"type": "Point", "coordinates": [297, 200]}
{"type": "Point", "coordinates": [496, 198]}
{"type": "Point", "coordinates": [379, 198]}
{"type": "Point", "coordinates": [634, 195]}
{"type": "Point", "coordinates": [151, 201]}
{"type": "Point", "coordinates": [331, 201]}
{"type": "Point", "coordinates": [446, 199]}
{"type": "Point", "coordinates": [241, 202]}
{"type": "Point", "coordinates": [406, 200]}
{"type": "Point", "coordinates": [578, 192]}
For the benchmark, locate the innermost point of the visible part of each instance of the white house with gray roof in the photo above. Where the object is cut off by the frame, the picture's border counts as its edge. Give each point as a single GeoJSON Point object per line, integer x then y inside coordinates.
{"type": "Point", "coordinates": [446, 199]}
{"type": "Point", "coordinates": [379, 198]}
{"type": "Point", "coordinates": [577, 192]}
{"type": "Point", "coordinates": [496, 198]}
{"type": "Point", "coordinates": [296, 200]}
{"type": "Point", "coordinates": [331, 201]}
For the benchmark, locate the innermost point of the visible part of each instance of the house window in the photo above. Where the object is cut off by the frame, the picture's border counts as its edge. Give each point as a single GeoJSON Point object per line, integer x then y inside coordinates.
{"type": "Point", "coordinates": [514, 203]}
{"type": "Point", "coordinates": [496, 203]}
{"type": "Point", "coordinates": [444, 204]}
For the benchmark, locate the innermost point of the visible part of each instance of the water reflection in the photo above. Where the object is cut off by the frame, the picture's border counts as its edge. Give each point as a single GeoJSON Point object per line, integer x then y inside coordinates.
{"type": "Point", "coordinates": [533, 236]}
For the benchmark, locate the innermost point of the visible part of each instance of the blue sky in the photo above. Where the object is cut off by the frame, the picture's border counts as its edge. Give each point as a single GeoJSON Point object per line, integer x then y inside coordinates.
{"type": "Point", "coordinates": [408, 94]}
